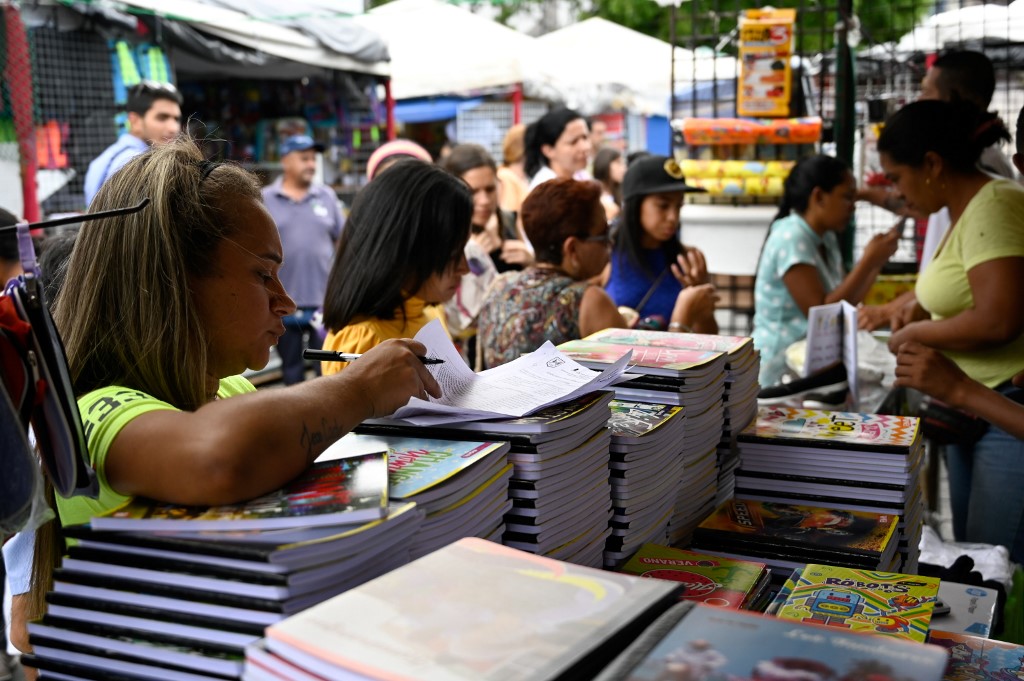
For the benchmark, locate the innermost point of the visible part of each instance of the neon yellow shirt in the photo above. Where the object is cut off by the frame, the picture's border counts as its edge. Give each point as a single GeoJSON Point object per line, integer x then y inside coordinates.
{"type": "Point", "coordinates": [104, 413]}
{"type": "Point", "coordinates": [366, 333]}
{"type": "Point", "coordinates": [990, 228]}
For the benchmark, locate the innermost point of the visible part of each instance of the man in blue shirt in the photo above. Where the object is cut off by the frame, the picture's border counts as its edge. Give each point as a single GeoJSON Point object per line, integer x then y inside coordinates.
{"type": "Point", "coordinates": [154, 117]}
{"type": "Point", "coordinates": [309, 219]}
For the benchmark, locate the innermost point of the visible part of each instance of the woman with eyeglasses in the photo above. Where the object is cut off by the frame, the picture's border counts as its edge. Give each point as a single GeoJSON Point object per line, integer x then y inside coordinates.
{"type": "Point", "coordinates": [651, 270]}
{"type": "Point", "coordinates": [555, 298]}
{"type": "Point", "coordinates": [165, 308]}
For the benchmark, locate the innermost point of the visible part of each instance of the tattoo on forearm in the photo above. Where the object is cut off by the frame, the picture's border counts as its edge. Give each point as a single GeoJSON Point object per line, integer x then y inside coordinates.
{"type": "Point", "coordinates": [315, 440]}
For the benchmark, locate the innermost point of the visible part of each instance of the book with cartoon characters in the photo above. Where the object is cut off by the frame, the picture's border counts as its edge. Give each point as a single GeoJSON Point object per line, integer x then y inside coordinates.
{"type": "Point", "coordinates": [812, 428]}
{"type": "Point", "coordinates": [974, 658]}
{"type": "Point", "coordinates": [862, 600]}
{"type": "Point", "coordinates": [799, 533]}
{"type": "Point", "coordinates": [693, 642]}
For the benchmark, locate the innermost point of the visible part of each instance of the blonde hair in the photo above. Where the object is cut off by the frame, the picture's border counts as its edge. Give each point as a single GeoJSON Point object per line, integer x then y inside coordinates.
{"type": "Point", "coordinates": [513, 148]}
{"type": "Point", "coordinates": [126, 315]}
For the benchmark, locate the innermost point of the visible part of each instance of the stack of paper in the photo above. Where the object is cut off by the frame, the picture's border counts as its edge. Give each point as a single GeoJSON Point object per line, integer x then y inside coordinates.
{"type": "Point", "coordinates": [847, 461]}
{"type": "Point", "coordinates": [461, 486]}
{"type": "Point", "coordinates": [739, 398]}
{"type": "Point", "coordinates": [647, 464]}
{"type": "Point", "coordinates": [159, 594]}
{"type": "Point", "coordinates": [670, 374]}
{"type": "Point", "coordinates": [561, 505]}
{"type": "Point", "coordinates": [474, 610]}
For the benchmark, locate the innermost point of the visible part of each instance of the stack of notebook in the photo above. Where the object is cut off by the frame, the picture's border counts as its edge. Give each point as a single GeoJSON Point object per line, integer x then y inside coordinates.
{"type": "Point", "coordinates": [854, 462]}
{"type": "Point", "coordinates": [166, 592]}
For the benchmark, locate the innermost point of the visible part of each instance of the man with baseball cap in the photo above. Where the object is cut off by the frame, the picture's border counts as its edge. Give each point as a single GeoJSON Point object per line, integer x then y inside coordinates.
{"type": "Point", "coordinates": [310, 220]}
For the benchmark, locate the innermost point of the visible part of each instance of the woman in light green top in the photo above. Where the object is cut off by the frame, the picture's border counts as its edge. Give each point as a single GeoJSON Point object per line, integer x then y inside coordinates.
{"type": "Point", "coordinates": [968, 300]}
{"type": "Point", "coordinates": [161, 311]}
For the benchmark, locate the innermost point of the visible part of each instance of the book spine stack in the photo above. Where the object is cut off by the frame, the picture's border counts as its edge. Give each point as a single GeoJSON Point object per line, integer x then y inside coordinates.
{"type": "Point", "coordinates": [740, 404]}
{"type": "Point", "coordinates": [875, 478]}
{"type": "Point", "coordinates": [122, 608]}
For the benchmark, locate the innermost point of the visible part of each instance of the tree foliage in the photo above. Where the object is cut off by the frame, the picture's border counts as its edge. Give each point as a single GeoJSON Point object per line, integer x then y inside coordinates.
{"type": "Point", "coordinates": [710, 22]}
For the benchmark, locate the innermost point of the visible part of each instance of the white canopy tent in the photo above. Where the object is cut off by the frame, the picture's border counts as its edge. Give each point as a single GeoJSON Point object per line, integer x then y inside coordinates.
{"type": "Point", "coordinates": [262, 34]}
{"type": "Point", "coordinates": [439, 49]}
{"type": "Point", "coordinates": [975, 22]}
{"type": "Point", "coordinates": [598, 51]}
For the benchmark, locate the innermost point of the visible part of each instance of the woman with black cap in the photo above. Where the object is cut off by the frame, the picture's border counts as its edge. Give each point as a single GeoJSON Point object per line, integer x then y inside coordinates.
{"type": "Point", "coordinates": [650, 267]}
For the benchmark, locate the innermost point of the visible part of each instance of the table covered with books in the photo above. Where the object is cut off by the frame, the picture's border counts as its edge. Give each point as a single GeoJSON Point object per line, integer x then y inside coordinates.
{"type": "Point", "coordinates": [657, 528]}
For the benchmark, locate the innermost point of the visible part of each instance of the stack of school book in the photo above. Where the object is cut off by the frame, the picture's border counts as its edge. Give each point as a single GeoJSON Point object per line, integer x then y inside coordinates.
{"type": "Point", "coordinates": [647, 466]}
{"type": "Point", "coordinates": [885, 603]}
{"type": "Point", "coordinates": [712, 580]}
{"type": "Point", "coordinates": [561, 504]}
{"type": "Point", "coordinates": [741, 366]}
{"type": "Point", "coordinates": [473, 610]}
{"type": "Point", "coordinates": [976, 658]}
{"type": "Point", "coordinates": [681, 376]}
{"type": "Point", "coordinates": [848, 461]}
{"type": "Point", "coordinates": [460, 486]}
{"type": "Point", "coordinates": [786, 536]}
{"type": "Point", "coordinates": [693, 642]}
{"type": "Point", "coordinates": [166, 592]}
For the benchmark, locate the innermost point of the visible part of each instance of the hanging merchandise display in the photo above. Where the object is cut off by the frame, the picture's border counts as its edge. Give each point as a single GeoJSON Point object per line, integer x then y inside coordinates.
{"type": "Point", "coordinates": [765, 48]}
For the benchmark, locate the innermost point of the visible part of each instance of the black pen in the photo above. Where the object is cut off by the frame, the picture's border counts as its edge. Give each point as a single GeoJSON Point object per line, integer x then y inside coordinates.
{"type": "Point", "coordinates": [332, 356]}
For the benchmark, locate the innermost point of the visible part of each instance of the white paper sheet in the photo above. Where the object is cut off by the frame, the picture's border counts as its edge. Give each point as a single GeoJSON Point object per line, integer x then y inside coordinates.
{"type": "Point", "coordinates": [516, 389]}
{"type": "Point", "coordinates": [832, 336]}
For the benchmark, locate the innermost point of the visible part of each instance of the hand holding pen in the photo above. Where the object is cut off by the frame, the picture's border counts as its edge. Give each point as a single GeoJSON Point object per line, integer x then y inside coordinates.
{"type": "Point", "coordinates": [333, 356]}
{"type": "Point", "coordinates": [388, 375]}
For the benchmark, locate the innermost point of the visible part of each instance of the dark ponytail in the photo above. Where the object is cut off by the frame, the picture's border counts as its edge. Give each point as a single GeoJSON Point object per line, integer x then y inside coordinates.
{"type": "Point", "coordinates": [810, 173]}
{"type": "Point", "coordinates": [957, 131]}
{"type": "Point", "coordinates": [546, 130]}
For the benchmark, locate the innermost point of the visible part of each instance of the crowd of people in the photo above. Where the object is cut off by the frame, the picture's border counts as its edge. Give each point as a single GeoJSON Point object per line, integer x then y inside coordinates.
{"type": "Point", "coordinates": [559, 241]}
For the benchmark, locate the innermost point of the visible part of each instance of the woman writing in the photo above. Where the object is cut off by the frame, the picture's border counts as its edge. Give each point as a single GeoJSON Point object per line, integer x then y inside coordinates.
{"type": "Point", "coordinates": [401, 255]}
{"type": "Point", "coordinates": [554, 299]}
{"type": "Point", "coordinates": [801, 264]}
{"type": "Point", "coordinates": [557, 146]}
{"type": "Point", "coordinates": [650, 268]}
{"type": "Point", "coordinates": [967, 301]}
{"type": "Point", "coordinates": [155, 350]}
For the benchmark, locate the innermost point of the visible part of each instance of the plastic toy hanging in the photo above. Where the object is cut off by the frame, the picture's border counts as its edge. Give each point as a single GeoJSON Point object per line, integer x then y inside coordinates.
{"type": "Point", "coordinates": [38, 390]}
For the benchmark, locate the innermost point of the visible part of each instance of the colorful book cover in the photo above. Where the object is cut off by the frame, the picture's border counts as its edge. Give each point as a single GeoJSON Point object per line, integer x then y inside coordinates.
{"type": "Point", "coordinates": [845, 430]}
{"type": "Point", "coordinates": [973, 658]}
{"type": "Point", "coordinates": [810, 526]}
{"type": "Point", "coordinates": [656, 359]}
{"type": "Point", "coordinates": [676, 341]}
{"type": "Point", "coordinates": [862, 600]}
{"type": "Point", "coordinates": [708, 579]}
{"type": "Point", "coordinates": [337, 492]}
{"type": "Point", "coordinates": [717, 644]}
{"type": "Point", "coordinates": [417, 464]}
{"type": "Point", "coordinates": [636, 419]}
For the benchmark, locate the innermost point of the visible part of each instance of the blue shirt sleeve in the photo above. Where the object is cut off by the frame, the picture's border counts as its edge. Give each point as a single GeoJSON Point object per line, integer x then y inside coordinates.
{"type": "Point", "coordinates": [18, 554]}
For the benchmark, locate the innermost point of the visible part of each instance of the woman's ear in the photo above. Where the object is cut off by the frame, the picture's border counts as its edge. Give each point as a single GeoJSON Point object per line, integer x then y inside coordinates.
{"type": "Point", "coordinates": [933, 165]}
{"type": "Point", "coordinates": [570, 259]}
{"type": "Point", "coordinates": [547, 150]}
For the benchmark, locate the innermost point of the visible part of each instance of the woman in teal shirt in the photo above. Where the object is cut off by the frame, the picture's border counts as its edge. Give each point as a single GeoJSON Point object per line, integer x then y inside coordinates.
{"type": "Point", "coordinates": [801, 265]}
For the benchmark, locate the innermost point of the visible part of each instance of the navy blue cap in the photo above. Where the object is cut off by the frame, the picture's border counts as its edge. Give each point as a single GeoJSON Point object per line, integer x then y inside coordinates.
{"type": "Point", "coordinates": [298, 143]}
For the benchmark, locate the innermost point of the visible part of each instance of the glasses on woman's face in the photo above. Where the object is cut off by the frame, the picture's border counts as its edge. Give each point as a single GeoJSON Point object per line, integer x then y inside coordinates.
{"type": "Point", "coordinates": [602, 238]}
